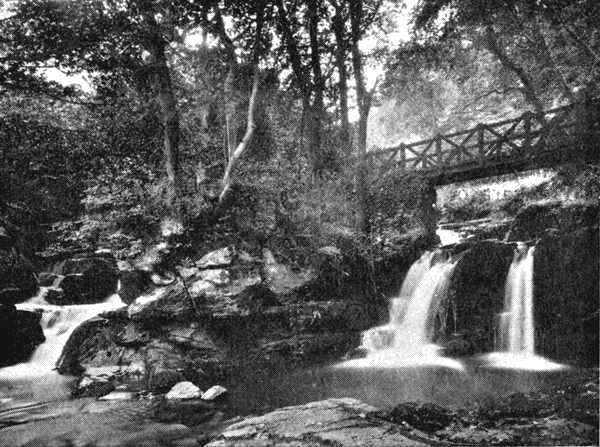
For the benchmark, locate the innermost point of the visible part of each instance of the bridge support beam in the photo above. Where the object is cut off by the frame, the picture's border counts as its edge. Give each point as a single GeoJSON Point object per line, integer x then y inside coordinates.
{"type": "Point", "coordinates": [428, 212]}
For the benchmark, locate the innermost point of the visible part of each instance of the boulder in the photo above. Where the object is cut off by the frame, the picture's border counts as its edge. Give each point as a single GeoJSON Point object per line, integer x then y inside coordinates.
{"type": "Point", "coordinates": [201, 288]}
{"type": "Point", "coordinates": [219, 277]}
{"type": "Point", "coordinates": [427, 417]}
{"type": "Point", "coordinates": [218, 258]}
{"type": "Point", "coordinates": [339, 422]}
{"type": "Point", "coordinates": [184, 390]}
{"type": "Point", "coordinates": [47, 279]}
{"type": "Point", "coordinates": [88, 280]}
{"type": "Point", "coordinates": [188, 273]}
{"type": "Point", "coordinates": [475, 296]}
{"type": "Point", "coordinates": [133, 282]}
{"type": "Point", "coordinates": [20, 334]}
{"type": "Point", "coordinates": [164, 304]}
{"type": "Point", "coordinates": [93, 386]}
{"type": "Point", "coordinates": [55, 295]}
{"type": "Point", "coordinates": [17, 278]}
{"type": "Point", "coordinates": [214, 392]}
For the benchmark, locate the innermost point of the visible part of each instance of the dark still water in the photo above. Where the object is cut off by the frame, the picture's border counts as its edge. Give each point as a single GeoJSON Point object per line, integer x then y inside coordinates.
{"type": "Point", "coordinates": [256, 391]}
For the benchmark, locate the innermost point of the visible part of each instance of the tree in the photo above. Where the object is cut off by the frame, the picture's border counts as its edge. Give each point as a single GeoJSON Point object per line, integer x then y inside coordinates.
{"type": "Point", "coordinates": [127, 36]}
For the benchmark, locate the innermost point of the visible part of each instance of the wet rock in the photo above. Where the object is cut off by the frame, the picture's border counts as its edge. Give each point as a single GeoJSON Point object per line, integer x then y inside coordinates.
{"type": "Point", "coordinates": [214, 392]}
{"type": "Point", "coordinates": [475, 298]}
{"type": "Point", "coordinates": [55, 295]}
{"type": "Point", "coordinates": [427, 417]}
{"type": "Point", "coordinates": [88, 280]}
{"type": "Point", "coordinates": [134, 282]}
{"type": "Point", "coordinates": [219, 277]}
{"type": "Point", "coordinates": [184, 390]}
{"type": "Point", "coordinates": [94, 386]}
{"type": "Point", "coordinates": [218, 258]}
{"type": "Point", "coordinates": [47, 279]}
{"type": "Point", "coordinates": [339, 422]}
{"type": "Point", "coordinates": [164, 304]}
{"type": "Point", "coordinates": [20, 334]}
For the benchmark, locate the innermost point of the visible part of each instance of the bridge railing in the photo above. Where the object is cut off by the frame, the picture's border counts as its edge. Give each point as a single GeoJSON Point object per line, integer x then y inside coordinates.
{"type": "Point", "coordinates": [485, 144]}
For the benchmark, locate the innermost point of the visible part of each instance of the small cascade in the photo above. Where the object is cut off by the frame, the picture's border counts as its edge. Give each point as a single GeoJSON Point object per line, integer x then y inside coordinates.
{"type": "Point", "coordinates": [515, 342]}
{"type": "Point", "coordinates": [58, 323]}
{"type": "Point", "coordinates": [406, 339]}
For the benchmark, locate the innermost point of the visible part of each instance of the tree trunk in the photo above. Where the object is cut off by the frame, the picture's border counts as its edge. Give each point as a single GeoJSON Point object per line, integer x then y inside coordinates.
{"type": "Point", "coordinates": [340, 60]}
{"type": "Point", "coordinates": [528, 85]}
{"type": "Point", "coordinates": [317, 108]}
{"type": "Point", "coordinates": [170, 121]}
{"type": "Point", "coordinates": [243, 145]}
{"type": "Point", "coordinates": [363, 103]}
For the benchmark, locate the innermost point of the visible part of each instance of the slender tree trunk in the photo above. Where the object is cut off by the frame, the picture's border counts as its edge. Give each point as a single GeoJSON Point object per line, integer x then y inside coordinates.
{"type": "Point", "coordinates": [170, 120]}
{"type": "Point", "coordinates": [243, 145]}
{"type": "Point", "coordinates": [230, 107]}
{"type": "Point", "coordinates": [340, 60]}
{"type": "Point", "coordinates": [528, 85]}
{"type": "Point", "coordinates": [317, 107]}
{"type": "Point", "coordinates": [363, 103]}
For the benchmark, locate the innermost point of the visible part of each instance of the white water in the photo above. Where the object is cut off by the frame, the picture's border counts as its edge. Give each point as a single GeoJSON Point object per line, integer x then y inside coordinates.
{"type": "Point", "coordinates": [406, 339]}
{"type": "Point", "coordinates": [516, 338]}
{"type": "Point", "coordinates": [58, 323]}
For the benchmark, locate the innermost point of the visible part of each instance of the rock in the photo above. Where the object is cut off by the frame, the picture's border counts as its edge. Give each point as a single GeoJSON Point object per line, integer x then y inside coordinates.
{"type": "Point", "coordinates": [164, 304]}
{"type": "Point", "coordinates": [476, 295]}
{"type": "Point", "coordinates": [154, 258]}
{"type": "Point", "coordinates": [339, 422]}
{"type": "Point", "coordinates": [20, 334]}
{"type": "Point", "coordinates": [214, 392]}
{"type": "Point", "coordinates": [184, 390]}
{"type": "Point", "coordinates": [256, 297]}
{"type": "Point", "coordinates": [534, 220]}
{"type": "Point", "coordinates": [427, 417]}
{"type": "Point", "coordinates": [94, 386]}
{"type": "Point", "coordinates": [133, 283]}
{"type": "Point", "coordinates": [47, 279]}
{"type": "Point", "coordinates": [162, 280]}
{"type": "Point", "coordinates": [219, 277]}
{"type": "Point", "coordinates": [88, 280]}
{"type": "Point", "coordinates": [188, 273]}
{"type": "Point", "coordinates": [55, 295]}
{"type": "Point", "coordinates": [164, 365]}
{"type": "Point", "coordinates": [17, 278]}
{"type": "Point", "coordinates": [189, 412]}
{"type": "Point", "coordinates": [218, 258]}
{"type": "Point", "coordinates": [280, 278]}
{"type": "Point", "coordinates": [119, 395]}
{"type": "Point", "coordinates": [201, 288]}
{"type": "Point", "coordinates": [246, 258]}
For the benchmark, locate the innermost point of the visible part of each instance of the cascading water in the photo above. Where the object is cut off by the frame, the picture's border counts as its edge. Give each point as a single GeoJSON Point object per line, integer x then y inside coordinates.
{"type": "Point", "coordinates": [406, 339]}
{"type": "Point", "coordinates": [515, 342]}
{"type": "Point", "coordinates": [58, 323]}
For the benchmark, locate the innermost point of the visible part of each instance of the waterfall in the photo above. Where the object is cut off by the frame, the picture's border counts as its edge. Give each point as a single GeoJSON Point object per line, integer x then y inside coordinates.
{"type": "Point", "coordinates": [516, 322]}
{"type": "Point", "coordinates": [406, 339]}
{"type": "Point", "coordinates": [515, 343]}
{"type": "Point", "coordinates": [58, 323]}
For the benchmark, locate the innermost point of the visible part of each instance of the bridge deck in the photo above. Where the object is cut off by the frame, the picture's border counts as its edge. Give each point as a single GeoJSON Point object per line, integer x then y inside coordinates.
{"type": "Point", "coordinates": [530, 141]}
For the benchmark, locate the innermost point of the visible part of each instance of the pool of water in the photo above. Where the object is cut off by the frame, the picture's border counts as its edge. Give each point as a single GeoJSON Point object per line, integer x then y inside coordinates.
{"type": "Point", "coordinates": [256, 391]}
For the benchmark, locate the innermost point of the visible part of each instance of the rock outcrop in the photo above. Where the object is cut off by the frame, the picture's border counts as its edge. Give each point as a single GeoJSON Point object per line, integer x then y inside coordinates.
{"type": "Point", "coordinates": [20, 334]}
{"type": "Point", "coordinates": [17, 275]}
{"type": "Point", "coordinates": [339, 422]}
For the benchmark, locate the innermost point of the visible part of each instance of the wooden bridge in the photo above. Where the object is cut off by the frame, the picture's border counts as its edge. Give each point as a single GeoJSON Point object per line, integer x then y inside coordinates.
{"type": "Point", "coordinates": [530, 141]}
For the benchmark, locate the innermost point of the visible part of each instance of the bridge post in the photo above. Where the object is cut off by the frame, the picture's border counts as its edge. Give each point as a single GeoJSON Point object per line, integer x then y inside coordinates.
{"type": "Point", "coordinates": [480, 144]}
{"type": "Point", "coordinates": [402, 157]}
{"type": "Point", "coordinates": [438, 150]}
{"type": "Point", "coordinates": [527, 131]}
{"type": "Point", "coordinates": [427, 209]}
